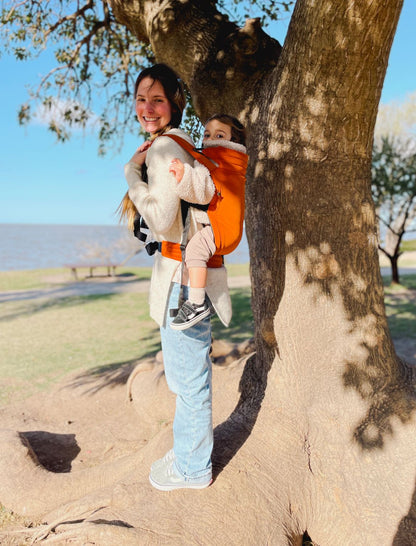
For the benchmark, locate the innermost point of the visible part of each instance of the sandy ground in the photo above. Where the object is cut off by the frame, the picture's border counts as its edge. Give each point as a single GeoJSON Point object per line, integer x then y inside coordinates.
{"type": "Point", "coordinates": [88, 420]}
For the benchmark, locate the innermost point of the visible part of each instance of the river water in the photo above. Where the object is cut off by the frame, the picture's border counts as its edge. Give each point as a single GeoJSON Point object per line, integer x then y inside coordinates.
{"type": "Point", "coordinates": [39, 246]}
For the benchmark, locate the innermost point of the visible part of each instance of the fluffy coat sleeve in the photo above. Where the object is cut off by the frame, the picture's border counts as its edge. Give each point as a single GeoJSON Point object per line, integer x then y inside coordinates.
{"type": "Point", "coordinates": [196, 185]}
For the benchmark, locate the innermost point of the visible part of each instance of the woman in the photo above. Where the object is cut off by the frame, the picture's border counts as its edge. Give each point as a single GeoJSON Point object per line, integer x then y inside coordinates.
{"type": "Point", "coordinates": [159, 106]}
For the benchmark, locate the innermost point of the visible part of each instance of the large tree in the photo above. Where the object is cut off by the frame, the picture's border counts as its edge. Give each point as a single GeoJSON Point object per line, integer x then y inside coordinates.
{"type": "Point", "coordinates": [322, 438]}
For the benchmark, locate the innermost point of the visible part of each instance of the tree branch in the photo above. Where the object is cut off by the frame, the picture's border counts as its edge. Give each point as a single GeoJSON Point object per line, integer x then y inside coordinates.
{"type": "Point", "coordinates": [72, 17]}
{"type": "Point", "coordinates": [221, 67]}
{"type": "Point", "coordinates": [14, 8]}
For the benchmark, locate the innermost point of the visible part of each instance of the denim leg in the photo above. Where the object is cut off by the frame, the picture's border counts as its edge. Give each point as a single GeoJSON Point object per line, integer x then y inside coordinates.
{"type": "Point", "coordinates": [189, 375]}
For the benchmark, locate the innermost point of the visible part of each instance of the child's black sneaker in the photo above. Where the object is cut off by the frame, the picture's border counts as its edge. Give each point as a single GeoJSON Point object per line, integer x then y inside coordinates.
{"type": "Point", "coordinates": [189, 314]}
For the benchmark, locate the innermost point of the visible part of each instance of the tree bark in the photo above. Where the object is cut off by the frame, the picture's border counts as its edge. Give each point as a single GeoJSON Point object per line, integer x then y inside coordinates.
{"type": "Point", "coordinates": [395, 279]}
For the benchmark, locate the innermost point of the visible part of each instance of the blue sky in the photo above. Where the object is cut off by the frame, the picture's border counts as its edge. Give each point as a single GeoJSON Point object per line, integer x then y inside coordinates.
{"type": "Point", "coordinates": [45, 182]}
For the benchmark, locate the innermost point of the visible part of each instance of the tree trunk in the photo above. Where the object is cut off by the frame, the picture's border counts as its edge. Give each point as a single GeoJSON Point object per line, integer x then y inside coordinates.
{"type": "Point", "coordinates": [323, 436]}
{"type": "Point", "coordinates": [394, 269]}
{"type": "Point", "coordinates": [326, 408]}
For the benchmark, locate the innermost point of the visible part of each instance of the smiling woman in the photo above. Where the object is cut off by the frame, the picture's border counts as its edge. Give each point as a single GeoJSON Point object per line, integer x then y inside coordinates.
{"type": "Point", "coordinates": [186, 354]}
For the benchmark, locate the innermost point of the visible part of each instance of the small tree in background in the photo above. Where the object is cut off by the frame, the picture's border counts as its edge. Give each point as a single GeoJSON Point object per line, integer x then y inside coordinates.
{"type": "Point", "coordinates": [394, 193]}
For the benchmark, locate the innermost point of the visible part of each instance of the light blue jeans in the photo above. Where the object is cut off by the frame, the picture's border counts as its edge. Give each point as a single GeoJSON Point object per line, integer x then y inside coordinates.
{"type": "Point", "coordinates": [188, 373]}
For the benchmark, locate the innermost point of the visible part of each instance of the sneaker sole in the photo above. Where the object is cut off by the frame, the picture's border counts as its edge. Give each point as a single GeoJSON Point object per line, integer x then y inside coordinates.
{"type": "Point", "coordinates": [184, 485]}
{"type": "Point", "coordinates": [189, 323]}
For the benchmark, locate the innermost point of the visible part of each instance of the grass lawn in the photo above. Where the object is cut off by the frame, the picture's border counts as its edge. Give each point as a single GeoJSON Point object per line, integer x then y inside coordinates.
{"type": "Point", "coordinates": [43, 340]}
{"type": "Point", "coordinates": [47, 278]}
{"type": "Point", "coordinates": [408, 246]}
{"type": "Point", "coordinates": [400, 302]}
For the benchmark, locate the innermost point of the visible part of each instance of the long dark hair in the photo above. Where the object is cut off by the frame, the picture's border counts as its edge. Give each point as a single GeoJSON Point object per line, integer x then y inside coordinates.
{"type": "Point", "coordinates": [174, 92]}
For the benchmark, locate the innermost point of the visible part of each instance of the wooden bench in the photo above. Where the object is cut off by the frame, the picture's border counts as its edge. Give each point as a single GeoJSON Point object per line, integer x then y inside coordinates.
{"type": "Point", "coordinates": [111, 269]}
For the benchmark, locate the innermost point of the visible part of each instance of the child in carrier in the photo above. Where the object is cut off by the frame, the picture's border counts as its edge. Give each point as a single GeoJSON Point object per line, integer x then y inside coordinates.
{"type": "Point", "coordinates": [220, 130]}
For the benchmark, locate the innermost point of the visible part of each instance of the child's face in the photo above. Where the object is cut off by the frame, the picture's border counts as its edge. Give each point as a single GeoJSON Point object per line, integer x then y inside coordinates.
{"type": "Point", "coordinates": [215, 129]}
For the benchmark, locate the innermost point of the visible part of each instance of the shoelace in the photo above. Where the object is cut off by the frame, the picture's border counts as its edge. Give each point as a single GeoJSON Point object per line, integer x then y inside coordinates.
{"type": "Point", "coordinates": [170, 455]}
{"type": "Point", "coordinates": [170, 472]}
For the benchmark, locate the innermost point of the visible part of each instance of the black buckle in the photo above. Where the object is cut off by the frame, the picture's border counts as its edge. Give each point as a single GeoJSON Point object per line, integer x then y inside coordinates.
{"type": "Point", "coordinates": [152, 247]}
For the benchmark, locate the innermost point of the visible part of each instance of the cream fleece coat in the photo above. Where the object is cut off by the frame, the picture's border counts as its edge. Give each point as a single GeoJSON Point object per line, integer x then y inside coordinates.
{"type": "Point", "coordinates": [159, 204]}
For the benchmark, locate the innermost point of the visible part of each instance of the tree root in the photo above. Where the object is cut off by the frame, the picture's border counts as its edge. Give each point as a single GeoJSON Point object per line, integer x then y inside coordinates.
{"type": "Point", "coordinates": [27, 488]}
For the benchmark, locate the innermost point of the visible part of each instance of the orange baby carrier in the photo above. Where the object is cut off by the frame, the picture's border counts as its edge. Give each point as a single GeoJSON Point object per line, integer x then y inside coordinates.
{"type": "Point", "coordinates": [227, 168]}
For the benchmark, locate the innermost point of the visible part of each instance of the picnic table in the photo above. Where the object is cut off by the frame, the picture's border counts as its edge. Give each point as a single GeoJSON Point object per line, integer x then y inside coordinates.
{"type": "Point", "coordinates": [111, 268]}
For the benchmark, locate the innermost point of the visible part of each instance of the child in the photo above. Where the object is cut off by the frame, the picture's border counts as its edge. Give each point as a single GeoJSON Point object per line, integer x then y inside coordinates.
{"type": "Point", "coordinates": [220, 130]}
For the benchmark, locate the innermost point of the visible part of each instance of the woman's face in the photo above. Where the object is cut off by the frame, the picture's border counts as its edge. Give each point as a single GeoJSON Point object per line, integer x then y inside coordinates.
{"type": "Point", "coordinates": [153, 109]}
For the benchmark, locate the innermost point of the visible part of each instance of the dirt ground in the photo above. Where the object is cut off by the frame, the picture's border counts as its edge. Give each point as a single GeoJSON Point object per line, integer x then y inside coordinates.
{"type": "Point", "coordinates": [87, 420]}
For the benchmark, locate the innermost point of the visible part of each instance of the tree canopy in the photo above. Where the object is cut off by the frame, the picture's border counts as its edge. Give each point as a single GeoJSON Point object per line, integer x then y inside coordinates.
{"type": "Point", "coordinates": [96, 61]}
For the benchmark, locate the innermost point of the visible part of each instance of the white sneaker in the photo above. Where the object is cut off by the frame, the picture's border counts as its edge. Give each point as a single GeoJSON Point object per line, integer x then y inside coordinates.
{"type": "Point", "coordinates": [169, 456]}
{"type": "Point", "coordinates": [165, 478]}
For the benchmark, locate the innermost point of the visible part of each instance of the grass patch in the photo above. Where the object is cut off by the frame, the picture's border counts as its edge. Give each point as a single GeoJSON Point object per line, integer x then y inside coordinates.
{"type": "Point", "coordinates": [408, 246]}
{"type": "Point", "coordinates": [401, 317]}
{"type": "Point", "coordinates": [400, 302]}
{"type": "Point", "coordinates": [29, 279]}
{"type": "Point", "coordinates": [407, 282]}
{"type": "Point", "coordinates": [142, 273]}
{"type": "Point", "coordinates": [238, 270]}
{"type": "Point", "coordinates": [42, 341]}
{"type": "Point", "coordinates": [46, 278]}
{"type": "Point", "coordinates": [242, 325]}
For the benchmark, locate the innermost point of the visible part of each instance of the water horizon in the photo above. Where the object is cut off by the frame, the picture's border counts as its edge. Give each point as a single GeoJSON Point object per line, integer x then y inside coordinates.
{"type": "Point", "coordinates": [48, 246]}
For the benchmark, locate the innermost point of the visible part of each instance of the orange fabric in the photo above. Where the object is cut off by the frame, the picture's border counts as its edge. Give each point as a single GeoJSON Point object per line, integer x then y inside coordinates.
{"type": "Point", "coordinates": [226, 210]}
{"type": "Point", "coordinates": [173, 251]}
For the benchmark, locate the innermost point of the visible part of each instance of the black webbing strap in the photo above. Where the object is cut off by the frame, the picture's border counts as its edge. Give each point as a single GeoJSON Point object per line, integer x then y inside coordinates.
{"type": "Point", "coordinates": [186, 220]}
{"type": "Point", "coordinates": [139, 224]}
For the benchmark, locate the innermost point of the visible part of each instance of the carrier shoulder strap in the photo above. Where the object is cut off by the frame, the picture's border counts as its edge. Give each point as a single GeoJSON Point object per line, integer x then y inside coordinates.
{"type": "Point", "coordinates": [194, 152]}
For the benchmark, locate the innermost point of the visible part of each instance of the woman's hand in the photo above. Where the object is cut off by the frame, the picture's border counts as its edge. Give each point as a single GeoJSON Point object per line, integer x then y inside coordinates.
{"type": "Point", "coordinates": [177, 168]}
{"type": "Point", "coordinates": [139, 155]}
